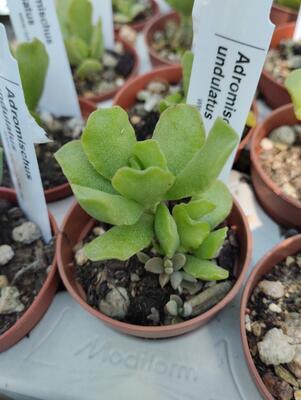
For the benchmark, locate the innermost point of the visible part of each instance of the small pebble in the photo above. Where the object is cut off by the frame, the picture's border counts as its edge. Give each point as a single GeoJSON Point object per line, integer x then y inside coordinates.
{"type": "Point", "coordinates": [98, 231]}
{"type": "Point", "coordinates": [9, 300]}
{"type": "Point", "coordinates": [80, 258]}
{"type": "Point", "coordinates": [275, 348]}
{"type": "Point", "coordinates": [272, 289]}
{"type": "Point", "coordinates": [26, 233]}
{"type": "Point", "coordinates": [6, 254]}
{"type": "Point", "coordinates": [3, 281]}
{"type": "Point", "coordinates": [116, 303]}
{"type": "Point", "coordinates": [274, 308]}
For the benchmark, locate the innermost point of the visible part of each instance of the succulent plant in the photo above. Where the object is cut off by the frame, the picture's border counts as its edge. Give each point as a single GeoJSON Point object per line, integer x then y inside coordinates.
{"type": "Point", "coordinates": [295, 4]}
{"type": "Point", "coordinates": [177, 308]}
{"type": "Point", "coordinates": [184, 36]}
{"type": "Point", "coordinates": [125, 11]}
{"type": "Point", "coordinates": [83, 40]}
{"type": "Point", "coordinates": [161, 195]}
{"type": "Point", "coordinates": [293, 85]}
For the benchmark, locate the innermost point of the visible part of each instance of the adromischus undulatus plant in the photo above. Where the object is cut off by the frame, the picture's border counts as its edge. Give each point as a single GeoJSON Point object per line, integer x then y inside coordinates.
{"type": "Point", "coordinates": [125, 11]}
{"type": "Point", "coordinates": [83, 40]}
{"type": "Point", "coordinates": [161, 194]}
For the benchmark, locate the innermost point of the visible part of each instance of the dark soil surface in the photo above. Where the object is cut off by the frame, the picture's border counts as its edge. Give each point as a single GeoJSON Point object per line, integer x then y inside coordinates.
{"type": "Point", "coordinates": [28, 269]}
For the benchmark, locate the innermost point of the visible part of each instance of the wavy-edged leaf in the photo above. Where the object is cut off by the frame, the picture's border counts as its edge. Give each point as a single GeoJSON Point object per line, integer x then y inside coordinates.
{"type": "Point", "coordinates": [166, 231]}
{"type": "Point", "coordinates": [88, 69]}
{"type": "Point", "coordinates": [62, 9]}
{"type": "Point", "coordinates": [97, 42]}
{"type": "Point", "coordinates": [149, 154]}
{"type": "Point", "coordinates": [207, 164]}
{"type": "Point", "coordinates": [196, 209]}
{"type": "Point", "coordinates": [77, 50]}
{"type": "Point", "coordinates": [33, 64]}
{"type": "Point", "coordinates": [170, 100]}
{"type": "Point", "coordinates": [192, 233]}
{"type": "Point", "coordinates": [108, 140]}
{"type": "Point", "coordinates": [205, 270]}
{"type": "Point", "coordinates": [178, 139]}
{"type": "Point", "coordinates": [78, 170]}
{"type": "Point", "coordinates": [109, 208]}
{"type": "Point", "coordinates": [293, 85]}
{"type": "Point", "coordinates": [187, 63]}
{"type": "Point", "coordinates": [122, 242]}
{"type": "Point", "coordinates": [220, 196]}
{"type": "Point", "coordinates": [211, 246]}
{"type": "Point", "coordinates": [80, 19]}
{"type": "Point", "coordinates": [147, 187]}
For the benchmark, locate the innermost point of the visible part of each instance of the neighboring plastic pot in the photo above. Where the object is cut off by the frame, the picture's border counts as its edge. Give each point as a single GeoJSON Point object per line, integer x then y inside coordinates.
{"type": "Point", "coordinates": [282, 208]}
{"type": "Point", "coordinates": [64, 190]}
{"type": "Point", "coordinates": [42, 301]}
{"type": "Point", "coordinates": [286, 248]}
{"type": "Point", "coordinates": [158, 24]}
{"type": "Point", "coordinates": [78, 224]}
{"type": "Point", "coordinates": [96, 99]}
{"type": "Point", "coordinates": [140, 25]}
{"type": "Point", "coordinates": [275, 93]}
{"type": "Point", "coordinates": [282, 15]}
{"type": "Point", "coordinates": [127, 96]}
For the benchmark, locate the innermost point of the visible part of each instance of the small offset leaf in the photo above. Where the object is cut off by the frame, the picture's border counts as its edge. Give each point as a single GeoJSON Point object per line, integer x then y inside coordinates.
{"type": "Point", "coordinates": [122, 242]}
{"type": "Point", "coordinates": [182, 6]}
{"type": "Point", "coordinates": [196, 209]}
{"type": "Point", "coordinates": [149, 154]}
{"type": "Point", "coordinates": [147, 187]}
{"type": "Point", "coordinates": [205, 270]}
{"type": "Point", "coordinates": [33, 64]}
{"type": "Point", "coordinates": [77, 50]}
{"type": "Point", "coordinates": [179, 140]}
{"type": "Point", "coordinates": [109, 208]}
{"type": "Point", "coordinates": [166, 231]}
{"type": "Point", "coordinates": [78, 170]}
{"type": "Point", "coordinates": [251, 120]}
{"type": "Point", "coordinates": [293, 85]}
{"type": "Point", "coordinates": [220, 196]}
{"type": "Point", "coordinates": [88, 69]}
{"type": "Point", "coordinates": [80, 19]}
{"type": "Point", "coordinates": [97, 44]}
{"type": "Point", "coordinates": [187, 63]}
{"type": "Point", "coordinates": [108, 140]}
{"type": "Point", "coordinates": [171, 100]}
{"type": "Point", "coordinates": [192, 233]}
{"type": "Point", "coordinates": [154, 265]}
{"type": "Point", "coordinates": [211, 246]}
{"type": "Point", "coordinates": [201, 172]}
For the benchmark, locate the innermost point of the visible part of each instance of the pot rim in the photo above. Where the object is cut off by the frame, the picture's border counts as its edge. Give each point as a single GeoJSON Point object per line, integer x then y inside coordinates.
{"type": "Point", "coordinates": [252, 279]}
{"type": "Point", "coordinates": [141, 329]}
{"type": "Point", "coordinates": [50, 277]}
{"type": "Point", "coordinates": [256, 164]}
{"type": "Point", "coordinates": [138, 26]}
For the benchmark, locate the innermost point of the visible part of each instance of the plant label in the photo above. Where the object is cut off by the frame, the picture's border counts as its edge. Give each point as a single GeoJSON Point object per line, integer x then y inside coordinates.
{"type": "Point", "coordinates": [297, 33]}
{"type": "Point", "coordinates": [18, 129]}
{"type": "Point", "coordinates": [38, 19]}
{"type": "Point", "coordinates": [103, 9]}
{"type": "Point", "coordinates": [230, 47]}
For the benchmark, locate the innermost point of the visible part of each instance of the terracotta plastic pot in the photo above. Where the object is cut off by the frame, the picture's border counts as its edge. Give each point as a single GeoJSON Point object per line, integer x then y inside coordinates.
{"type": "Point", "coordinates": [111, 93]}
{"type": "Point", "coordinates": [282, 208]}
{"type": "Point", "coordinates": [40, 304]}
{"type": "Point", "coordinates": [127, 96]}
{"type": "Point", "coordinates": [275, 93]}
{"type": "Point", "coordinates": [158, 24]}
{"type": "Point", "coordinates": [282, 15]}
{"type": "Point", "coordinates": [78, 224]}
{"type": "Point", "coordinates": [64, 190]}
{"type": "Point", "coordinates": [286, 248]}
{"type": "Point", "coordinates": [139, 26]}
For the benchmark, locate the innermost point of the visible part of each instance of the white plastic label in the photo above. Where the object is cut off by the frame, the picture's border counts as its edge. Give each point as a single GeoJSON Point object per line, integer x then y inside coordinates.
{"type": "Point", "coordinates": [17, 129]}
{"type": "Point", "coordinates": [229, 55]}
{"type": "Point", "coordinates": [103, 9]}
{"type": "Point", "coordinates": [38, 19]}
{"type": "Point", "coordinates": [297, 33]}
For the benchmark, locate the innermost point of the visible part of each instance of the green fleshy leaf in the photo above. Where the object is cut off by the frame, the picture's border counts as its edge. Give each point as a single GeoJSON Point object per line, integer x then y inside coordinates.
{"type": "Point", "coordinates": [108, 140]}
{"type": "Point", "coordinates": [62, 9]}
{"type": "Point", "coordinates": [97, 44]}
{"type": "Point", "coordinates": [293, 85]}
{"type": "Point", "coordinates": [88, 69]}
{"type": "Point", "coordinates": [207, 164]}
{"type": "Point", "coordinates": [77, 50]}
{"type": "Point", "coordinates": [182, 6]}
{"type": "Point", "coordinates": [109, 208]}
{"type": "Point", "coordinates": [205, 270]}
{"type": "Point", "coordinates": [211, 246]}
{"type": "Point", "coordinates": [147, 187]}
{"type": "Point", "coordinates": [187, 63]}
{"type": "Point", "coordinates": [1, 165]}
{"type": "Point", "coordinates": [178, 140]}
{"type": "Point", "coordinates": [196, 209]}
{"type": "Point", "coordinates": [78, 170]}
{"type": "Point", "coordinates": [149, 154]}
{"type": "Point", "coordinates": [251, 120]}
{"type": "Point", "coordinates": [122, 242]}
{"type": "Point", "coordinates": [135, 163]}
{"type": "Point", "coordinates": [80, 19]}
{"type": "Point", "coordinates": [171, 100]}
{"type": "Point", "coordinates": [33, 64]}
{"type": "Point", "coordinates": [166, 231]}
{"type": "Point", "coordinates": [294, 4]}
{"type": "Point", "coordinates": [220, 196]}
{"type": "Point", "coordinates": [192, 233]}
